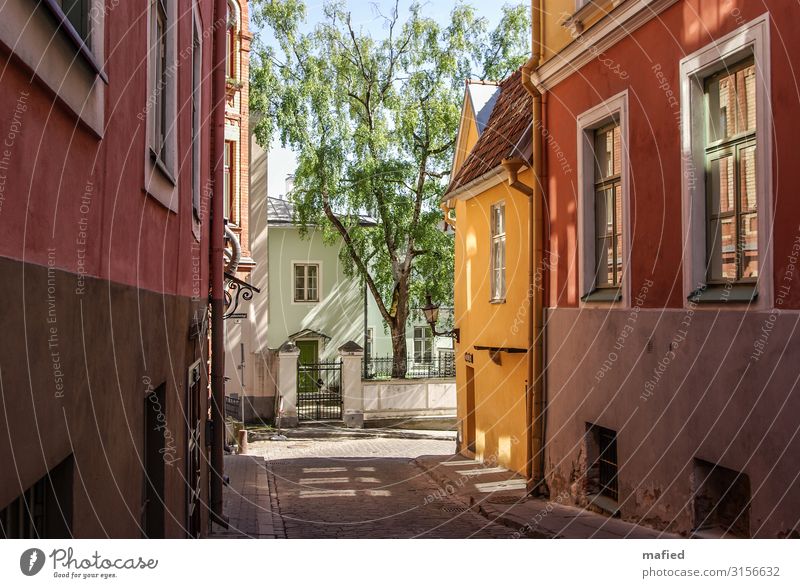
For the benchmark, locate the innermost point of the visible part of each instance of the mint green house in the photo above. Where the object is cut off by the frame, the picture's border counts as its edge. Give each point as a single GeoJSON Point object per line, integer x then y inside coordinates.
{"type": "Point", "coordinates": [312, 302]}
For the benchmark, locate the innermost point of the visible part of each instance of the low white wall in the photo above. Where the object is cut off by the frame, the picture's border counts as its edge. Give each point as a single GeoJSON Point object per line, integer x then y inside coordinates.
{"type": "Point", "coordinates": [408, 398]}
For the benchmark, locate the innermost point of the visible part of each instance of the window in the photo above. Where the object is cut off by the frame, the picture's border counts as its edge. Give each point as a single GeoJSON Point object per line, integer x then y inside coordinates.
{"type": "Point", "coordinates": [423, 344]}
{"type": "Point", "coordinates": [77, 13]}
{"type": "Point", "coordinates": [197, 77]}
{"type": "Point", "coordinates": [608, 206]}
{"type": "Point", "coordinates": [727, 169]}
{"type": "Point", "coordinates": [161, 108]}
{"type": "Point", "coordinates": [731, 204]}
{"type": "Point", "coordinates": [43, 511]}
{"type": "Point", "coordinates": [603, 469]}
{"type": "Point", "coordinates": [603, 242]}
{"type": "Point", "coordinates": [229, 194]}
{"type": "Point", "coordinates": [498, 252]}
{"type": "Point", "coordinates": [369, 342]}
{"type": "Point", "coordinates": [230, 43]}
{"type": "Point", "coordinates": [306, 282]}
{"type": "Point", "coordinates": [160, 80]}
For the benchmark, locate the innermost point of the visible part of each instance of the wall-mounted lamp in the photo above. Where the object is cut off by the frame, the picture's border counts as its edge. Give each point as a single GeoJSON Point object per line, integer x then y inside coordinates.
{"type": "Point", "coordinates": [431, 312]}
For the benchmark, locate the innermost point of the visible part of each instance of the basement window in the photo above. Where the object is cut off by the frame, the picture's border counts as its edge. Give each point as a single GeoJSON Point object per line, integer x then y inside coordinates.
{"type": "Point", "coordinates": [721, 501]}
{"type": "Point", "coordinates": [602, 466]}
{"type": "Point", "coordinates": [43, 511]}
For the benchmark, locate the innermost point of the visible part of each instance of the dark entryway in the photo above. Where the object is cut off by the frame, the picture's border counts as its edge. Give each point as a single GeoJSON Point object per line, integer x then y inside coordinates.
{"type": "Point", "coordinates": [155, 423]}
{"type": "Point", "coordinates": [193, 446]}
{"type": "Point", "coordinates": [470, 429]}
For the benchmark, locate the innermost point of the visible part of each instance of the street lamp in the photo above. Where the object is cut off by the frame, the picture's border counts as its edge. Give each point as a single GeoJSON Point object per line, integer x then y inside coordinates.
{"type": "Point", "coordinates": [431, 312]}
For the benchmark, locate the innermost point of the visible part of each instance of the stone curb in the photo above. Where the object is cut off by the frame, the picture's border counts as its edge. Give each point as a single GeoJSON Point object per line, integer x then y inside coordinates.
{"type": "Point", "coordinates": [336, 433]}
{"type": "Point", "coordinates": [485, 509]}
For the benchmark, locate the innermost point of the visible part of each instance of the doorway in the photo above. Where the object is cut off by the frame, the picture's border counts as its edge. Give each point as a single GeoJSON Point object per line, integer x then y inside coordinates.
{"type": "Point", "coordinates": [309, 351]}
{"type": "Point", "coordinates": [154, 422]}
{"type": "Point", "coordinates": [469, 432]}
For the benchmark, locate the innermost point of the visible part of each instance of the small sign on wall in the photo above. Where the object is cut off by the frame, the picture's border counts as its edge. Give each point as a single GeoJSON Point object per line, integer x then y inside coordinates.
{"type": "Point", "coordinates": [468, 358]}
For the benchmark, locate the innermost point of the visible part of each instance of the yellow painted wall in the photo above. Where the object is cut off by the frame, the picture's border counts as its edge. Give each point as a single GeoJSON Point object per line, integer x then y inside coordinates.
{"type": "Point", "coordinates": [554, 35]}
{"type": "Point", "coordinates": [499, 390]}
{"type": "Point", "coordinates": [466, 139]}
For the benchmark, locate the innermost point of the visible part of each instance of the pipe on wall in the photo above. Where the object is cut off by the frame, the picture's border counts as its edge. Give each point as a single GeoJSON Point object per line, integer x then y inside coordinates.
{"type": "Point", "coordinates": [535, 389]}
{"type": "Point", "coordinates": [216, 277]}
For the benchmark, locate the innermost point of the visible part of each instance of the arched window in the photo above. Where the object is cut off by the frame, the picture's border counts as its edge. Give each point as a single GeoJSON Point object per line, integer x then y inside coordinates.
{"type": "Point", "coordinates": [230, 40]}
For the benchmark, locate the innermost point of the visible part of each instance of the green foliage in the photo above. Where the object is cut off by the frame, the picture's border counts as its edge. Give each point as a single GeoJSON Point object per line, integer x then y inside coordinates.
{"type": "Point", "coordinates": [373, 122]}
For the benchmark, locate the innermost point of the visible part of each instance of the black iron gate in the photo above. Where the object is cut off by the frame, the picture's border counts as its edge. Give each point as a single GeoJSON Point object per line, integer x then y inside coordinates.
{"type": "Point", "coordinates": [319, 391]}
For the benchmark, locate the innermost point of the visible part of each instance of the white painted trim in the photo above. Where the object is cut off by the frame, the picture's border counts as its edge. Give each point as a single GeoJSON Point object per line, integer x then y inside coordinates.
{"type": "Point", "coordinates": [460, 131]}
{"type": "Point", "coordinates": [618, 24]}
{"type": "Point", "coordinates": [492, 206]}
{"type": "Point", "coordinates": [480, 184]}
{"type": "Point", "coordinates": [614, 108]}
{"type": "Point", "coordinates": [752, 38]}
{"type": "Point", "coordinates": [27, 29]}
{"type": "Point", "coordinates": [319, 299]}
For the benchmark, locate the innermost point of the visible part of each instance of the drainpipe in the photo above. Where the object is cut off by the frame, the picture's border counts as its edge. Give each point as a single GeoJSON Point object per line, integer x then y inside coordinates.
{"type": "Point", "coordinates": [446, 209]}
{"type": "Point", "coordinates": [535, 391]}
{"type": "Point", "coordinates": [216, 266]}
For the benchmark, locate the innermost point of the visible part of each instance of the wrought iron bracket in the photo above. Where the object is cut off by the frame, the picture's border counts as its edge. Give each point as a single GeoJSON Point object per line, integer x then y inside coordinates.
{"type": "Point", "coordinates": [236, 290]}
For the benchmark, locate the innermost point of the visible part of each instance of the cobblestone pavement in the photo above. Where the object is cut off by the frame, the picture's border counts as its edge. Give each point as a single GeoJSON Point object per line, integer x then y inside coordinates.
{"type": "Point", "coordinates": [354, 488]}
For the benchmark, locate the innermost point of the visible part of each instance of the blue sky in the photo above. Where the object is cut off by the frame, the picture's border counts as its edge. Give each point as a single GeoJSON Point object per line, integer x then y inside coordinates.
{"type": "Point", "coordinates": [282, 161]}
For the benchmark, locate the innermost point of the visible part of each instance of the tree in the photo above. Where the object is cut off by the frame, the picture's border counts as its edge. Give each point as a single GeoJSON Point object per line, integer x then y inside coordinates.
{"type": "Point", "coordinates": [373, 122]}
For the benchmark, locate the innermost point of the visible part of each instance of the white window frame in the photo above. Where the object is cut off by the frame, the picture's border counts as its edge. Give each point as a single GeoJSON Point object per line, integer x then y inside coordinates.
{"type": "Point", "coordinates": [614, 109]}
{"type": "Point", "coordinates": [160, 175]}
{"type": "Point", "coordinates": [427, 344]}
{"type": "Point", "coordinates": [55, 60]}
{"type": "Point", "coordinates": [318, 264]}
{"type": "Point", "coordinates": [500, 237]}
{"type": "Point", "coordinates": [751, 39]}
{"type": "Point", "coordinates": [369, 343]}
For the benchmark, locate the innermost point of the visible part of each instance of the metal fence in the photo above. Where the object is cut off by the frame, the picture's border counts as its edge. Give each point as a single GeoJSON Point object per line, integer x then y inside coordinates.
{"type": "Point", "coordinates": [319, 391]}
{"type": "Point", "coordinates": [233, 407]}
{"type": "Point", "coordinates": [441, 366]}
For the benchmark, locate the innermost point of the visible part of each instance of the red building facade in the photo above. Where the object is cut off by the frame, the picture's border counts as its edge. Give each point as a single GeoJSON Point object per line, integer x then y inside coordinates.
{"type": "Point", "coordinates": [671, 366]}
{"type": "Point", "coordinates": [106, 184]}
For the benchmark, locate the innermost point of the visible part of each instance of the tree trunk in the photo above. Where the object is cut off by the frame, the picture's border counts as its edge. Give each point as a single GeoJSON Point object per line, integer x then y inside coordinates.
{"type": "Point", "coordinates": [399, 350]}
{"type": "Point", "coordinates": [398, 329]}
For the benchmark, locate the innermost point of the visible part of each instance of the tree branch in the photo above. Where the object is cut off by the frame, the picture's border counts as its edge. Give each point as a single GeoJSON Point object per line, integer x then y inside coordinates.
{"type": "Point", "coordinates": [348, 241]}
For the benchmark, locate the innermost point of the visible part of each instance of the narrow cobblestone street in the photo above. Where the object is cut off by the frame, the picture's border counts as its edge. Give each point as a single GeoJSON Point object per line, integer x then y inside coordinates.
{"type": "Point", "coordinates": [365, 488]}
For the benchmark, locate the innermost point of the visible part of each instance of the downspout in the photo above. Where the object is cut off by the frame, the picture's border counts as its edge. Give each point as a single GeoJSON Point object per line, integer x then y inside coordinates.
{"type": "Point", "coordinates": [535, 392]}
{"type": "Point", "coordinates": [446, 209]}
{"type": "Point", "coordinates": [216, 267]}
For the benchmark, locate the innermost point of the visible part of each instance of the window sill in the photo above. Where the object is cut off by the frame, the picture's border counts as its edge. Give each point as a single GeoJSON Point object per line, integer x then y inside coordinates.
{"type": "Point", "coordinates": [162, 167]}
{"type": "Point", "coordinates": [603, 295]}
{"type": "Point", "coordinates": [83, 49]}
{"type": "Point", "coordinates": [723, 293]}
{"type": "Point", "coordinates": [497, 301]}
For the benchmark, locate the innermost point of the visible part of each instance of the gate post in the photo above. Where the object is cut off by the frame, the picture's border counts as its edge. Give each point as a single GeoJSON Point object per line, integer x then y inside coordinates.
{"type": "Point", "coordinates": [288, 356]}
{"type": "Point", "coordinates": [352, 390]}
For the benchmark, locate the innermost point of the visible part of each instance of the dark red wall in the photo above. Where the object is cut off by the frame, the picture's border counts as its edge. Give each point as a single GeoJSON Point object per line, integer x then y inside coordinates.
{"type": "Point", "coordinates": [132, 239]}
{"type": "Point", "coordinates": [655, 160]}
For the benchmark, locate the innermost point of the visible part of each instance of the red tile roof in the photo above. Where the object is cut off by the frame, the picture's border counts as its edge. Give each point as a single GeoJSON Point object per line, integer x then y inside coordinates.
{"type": "Point", "coordinates": [507, 134]}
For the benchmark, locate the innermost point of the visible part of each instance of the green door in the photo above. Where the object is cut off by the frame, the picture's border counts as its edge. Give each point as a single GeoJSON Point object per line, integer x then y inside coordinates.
{"type": "Point", "coordinates": [308, 351]}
